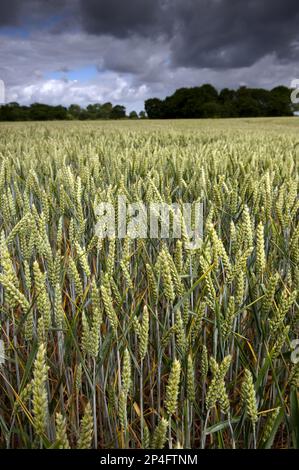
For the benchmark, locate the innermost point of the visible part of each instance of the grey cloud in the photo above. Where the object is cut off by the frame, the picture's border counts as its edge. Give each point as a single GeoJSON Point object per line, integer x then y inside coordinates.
{"type": "Point", "coordinates": [198, 33]}
{"type": "Point", "coordinates": [33, 13]}
{"type": "Point", "coordinates": [24, 66]}
{"type": "Point", "coordinates": [9, 12]}
{"type": "Point", "coordinates": [134, 56]}
{"type": "Point", "coordinates": [145, 48]}
{"type": "Point", "coordinates": [202, 33]}
{"type": "Point", "coordinates": [124, 18]}
{"type": "Point", "coordinates": [233, 33]}
{"type": "Point", "coordinates": [77, 50]}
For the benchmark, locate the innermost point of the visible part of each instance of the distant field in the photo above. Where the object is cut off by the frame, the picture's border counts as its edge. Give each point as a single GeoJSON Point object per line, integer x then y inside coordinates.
{"type": "Point", "coordinates": [149, 342]}
{"type": "Point", "coordinates": [284, 124]}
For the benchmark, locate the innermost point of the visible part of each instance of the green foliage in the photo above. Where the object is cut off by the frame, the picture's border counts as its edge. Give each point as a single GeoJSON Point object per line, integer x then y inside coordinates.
{"type": "Point", "coordinates": [45, 112]}
{"type": "Point", "coordinates": [205, 102]}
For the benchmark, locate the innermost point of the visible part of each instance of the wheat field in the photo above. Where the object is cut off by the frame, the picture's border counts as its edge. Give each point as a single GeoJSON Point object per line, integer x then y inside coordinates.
{"type": "Point", "coordinates": [146, 343]}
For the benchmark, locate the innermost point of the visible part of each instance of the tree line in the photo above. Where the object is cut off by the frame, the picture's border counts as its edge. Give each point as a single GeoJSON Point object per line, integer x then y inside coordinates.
{"type": "Point", "coordinates": [206, 102]}
{"type": "Point", "coordinates": [185, 103]}
{"type": "Point", "coordinates": [44, 112]}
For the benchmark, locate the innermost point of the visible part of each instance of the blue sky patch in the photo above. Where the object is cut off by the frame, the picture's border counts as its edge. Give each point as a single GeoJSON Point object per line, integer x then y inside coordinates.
{"type": "Point", "coordinates": [82, 74]}
{"type": "Point", "coordinates": [13, 31]}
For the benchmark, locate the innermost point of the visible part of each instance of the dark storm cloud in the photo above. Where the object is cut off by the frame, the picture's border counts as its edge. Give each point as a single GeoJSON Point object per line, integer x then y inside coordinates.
{"type": "Point", "coordinates": [202, 33]}
{"type": "Point", "coordinates": [217, 34]}
{"type": "Point", "coordinates": [9, 12]}
{"type": "Point", "coordinates": [234, 33]}
{"type": "Point", "coordinates": [124, 18]}
{"type": "Point", "coordinates": [136, 49]}
{"type": "Point", "coordinates": [22, 13]}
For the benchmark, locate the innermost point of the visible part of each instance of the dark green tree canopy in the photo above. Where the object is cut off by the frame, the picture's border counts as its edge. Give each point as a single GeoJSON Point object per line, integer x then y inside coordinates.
{"type": "Point", "coordinates": [133, 115]}
{"type": "Point", "coordinates": [206, 102]}
{"type": "Point", "coordinates": [43, 112]}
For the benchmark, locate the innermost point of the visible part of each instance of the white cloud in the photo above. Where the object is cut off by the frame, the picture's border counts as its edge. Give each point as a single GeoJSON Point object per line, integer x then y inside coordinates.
{"type": "Point", "coordinates": [26, 63]}
{"type": "Point", "coordinates": [110, 88]}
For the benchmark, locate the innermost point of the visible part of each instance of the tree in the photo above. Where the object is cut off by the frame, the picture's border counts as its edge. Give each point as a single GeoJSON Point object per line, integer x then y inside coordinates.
{"type": "Point", "coordinates": [205, 102]}
{"type": "Point", "coordinates": [118, 112]}
{"type": "Point", "coordinates": [39, 112]}
{"type": "Point", "coordinates": [106, 111]}
{"type": "Point", "coordinates": [280, 101]}
{"type": "Point", "coordinates": [154, 108]}
{"type": "Point", "coordinates": [227, 100]}
{"type": "Point", "coordinates": [14, 112]}
{"type": "Point", "coordinates": [59, 113]}
{"type": "Point", "coordinates": [74, 110]}
{"type": "Point", "coordinates": [94, 111]}
{"type": "Point", "coordinates": [44, 112]}
{"type": "Point", "coordinates": [142, 115]}
{"type": "Point", "coordinates": [133, 115]}
{"type": "Point", "coordinates": [211, 109]}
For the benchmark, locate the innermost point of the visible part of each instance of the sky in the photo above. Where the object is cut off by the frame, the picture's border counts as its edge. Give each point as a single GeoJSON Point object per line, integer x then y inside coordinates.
{"type": "Point", "coordinates": [126, 51]}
